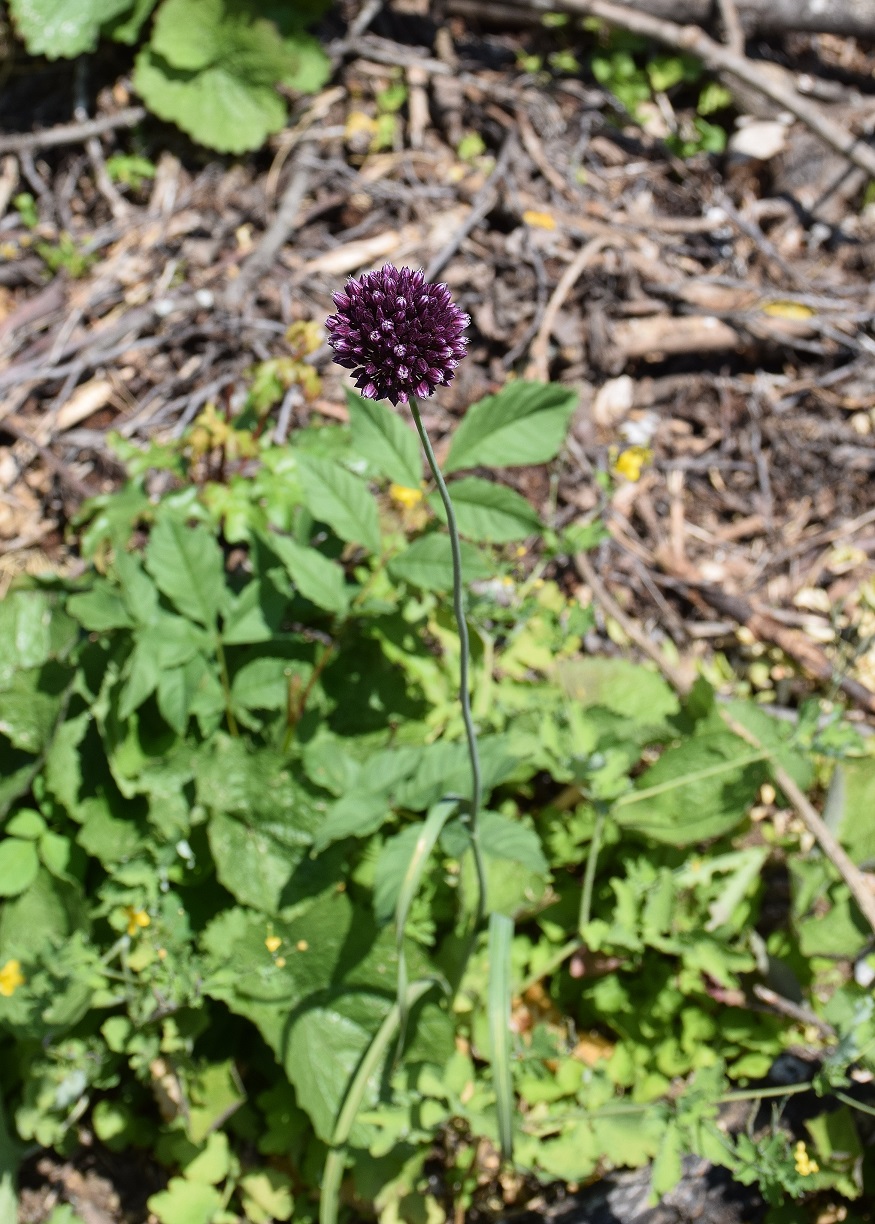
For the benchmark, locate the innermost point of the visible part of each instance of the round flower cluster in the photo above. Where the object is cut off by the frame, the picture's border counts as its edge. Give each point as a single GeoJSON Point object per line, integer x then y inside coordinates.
{"type": "Point", "coordinates": [399, 335]}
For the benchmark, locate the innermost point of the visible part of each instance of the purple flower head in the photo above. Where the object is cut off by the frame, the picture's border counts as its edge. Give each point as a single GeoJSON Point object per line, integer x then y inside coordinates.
{"type": "Point", "coordinates": [399, 336]}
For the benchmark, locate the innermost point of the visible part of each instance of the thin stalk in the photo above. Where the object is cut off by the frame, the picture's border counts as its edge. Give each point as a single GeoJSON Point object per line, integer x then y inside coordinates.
{"type": "Point", "coordinates": [465, 661]}
{"type": "Point", "coordinates": [592, 859]}
{"type": "Point", "coordinates": [226, 687]}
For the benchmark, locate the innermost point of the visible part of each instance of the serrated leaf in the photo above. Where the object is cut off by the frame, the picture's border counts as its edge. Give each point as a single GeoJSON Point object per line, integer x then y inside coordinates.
{"type": "Point", "coordinates": [63, 28]}
{"type": "Point", "coordinates": [318, 579]}
{"type": "Point", "coordinates": [214, 107]}
{"type": "Point", "coordinates": [186, 563]}
{"type": "Point", "coordinates": [699, 789]}
{"type": "Point", "coordinates": [213, 70]}
{"type": "Point", "coordinates": [341, 500]}
{"type": "Point", "coordinates": [428, 564]}
{"type": "Point", "coordinates": [487, 511]}
{"type": "Point", "coordinates": [101, 608]}
{"type": "Point", "coordinates": [185, 1202]}
{"type": "Point", "coordinates": [381, 436]}
{"type": "Point", "coordinates": [525, 423]}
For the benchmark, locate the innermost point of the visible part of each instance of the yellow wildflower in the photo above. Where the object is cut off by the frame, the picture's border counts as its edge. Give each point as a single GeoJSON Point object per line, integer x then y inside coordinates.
{"type": "Point", "coordinates": [408, 498]}
{"type": "Point", "coordinates": [280, 962]}
{"type": "Point", "coordinates": [137, 919]}
{"type": "Point", "coordinates": [805, 1166]}
{"type": "Point", "coordinates": [11, 978]}
{"type": "Point", "coordinates": [302, 945]}
{"type": "Point", "coordinates": [631, 462]}
{"type": "Point", "coordinates": [272, 943]}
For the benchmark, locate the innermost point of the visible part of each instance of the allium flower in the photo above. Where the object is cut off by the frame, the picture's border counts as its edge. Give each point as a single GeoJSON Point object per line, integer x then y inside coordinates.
{"type": "Point", "coordinates": [399, 335]}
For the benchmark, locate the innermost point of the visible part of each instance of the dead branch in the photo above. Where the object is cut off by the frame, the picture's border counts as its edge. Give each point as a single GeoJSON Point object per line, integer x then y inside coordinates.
{"type": "Point", "coordinates": [851, 18]}
{"type": "Point", "coordinates": [812, 820]}
{"type": "Point", "coordinates": [71, 133]}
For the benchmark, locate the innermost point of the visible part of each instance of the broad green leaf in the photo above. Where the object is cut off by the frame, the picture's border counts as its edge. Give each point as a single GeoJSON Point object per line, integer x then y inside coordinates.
{"type": "Point", "coordinates": [502, 838]}
{"type": "Point", "coordinates": [379, 434]}
{"type": "Point", "coordinates": [26, 824]}
{"type": "Point", "coordinates": [33, 629]}
{"type": "Point", "coordinates": [101, 608]}
{"type": "Point", "coordinates": [428, 564]}
{"type": "Point", "coordinates": [126, 29]}
{"type": "Point", "coordinates": [267, 1196]}
{"type": "Point", "coordinates": [637, 695]}
{"type": "Point", "coordinates": [27, 712]}
{"type": "Point", "coordinates": [776, 738]}
{"type": "Point", "coordinates": [318, 579]}
{"type": "Point", "coordinates": [341, 500]}
{"type": "Point", "coordinates": [213, 70]}
{"type": "Point", "coordinates": [19, 864]}
{"type": "Point", "coordinates": [190, 689]}
{"type": "Point", "coordinates": [186, 1202]}
{"type": "Point", "coordinates": [66, 28]}
{"type": "Point", "coordinates": [255, 615]}
{"type": "Point", "coordinates": [525, 423]}
{"type": "Point", "coordinates": [187, 565]}
{"type": "Point", "coordinates": [256, 861]}
{"type": "Point", "coordinates": [44, 913]}
{"type": "Point", "coordinates": [855, 825]}
{"type": "Point", "coordinates": [701, 788]}
{"type": "Point", "coordinates": [487, 511]}
{"type": "Point", "coordinates": [354, 815]}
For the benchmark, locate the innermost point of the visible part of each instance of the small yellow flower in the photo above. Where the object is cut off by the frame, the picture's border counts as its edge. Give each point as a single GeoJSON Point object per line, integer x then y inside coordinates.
{"type": "Point", "coordinates": [539, 220]}
{"type": "Point", "coordinates": [805, 1166]}
{"type": "Point", "coordinates": [302, 945]}
{"type": "Point", "coordinates": [137, 919]}
{"type": "Point", "coordinates": [272, 943]}
{"type": "Point", "coordinates": [11, 978]}
{"type": "Point", "coordinates": [521, 550]}
{"type": "Point", "coordinates": [631, 462]}
{"type": "Point", "coordinates": [280, 962]}
{"type": "Point", "coordinates": [408, 498]}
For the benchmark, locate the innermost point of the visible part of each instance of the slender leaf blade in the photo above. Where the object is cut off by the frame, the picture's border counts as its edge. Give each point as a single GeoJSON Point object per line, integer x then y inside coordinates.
{"type": "Point", "coordinates": [498, 1008]}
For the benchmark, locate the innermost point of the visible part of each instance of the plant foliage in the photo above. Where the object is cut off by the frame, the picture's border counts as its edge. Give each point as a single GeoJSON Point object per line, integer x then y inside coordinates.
{"type": "Point", "coordinates": [210, 66]}
{"type": "Point", "coordinates": [235, 889]}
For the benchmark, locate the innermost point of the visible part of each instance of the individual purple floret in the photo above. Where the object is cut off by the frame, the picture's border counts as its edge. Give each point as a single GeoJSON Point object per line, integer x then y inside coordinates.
{"type": "Point", "coordinates": [400, 336]}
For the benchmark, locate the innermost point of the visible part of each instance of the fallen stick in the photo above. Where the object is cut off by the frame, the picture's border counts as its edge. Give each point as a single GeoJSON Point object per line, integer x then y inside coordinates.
{"type": "Point", "coordinates": [811, 818]}
{"type": "Point", "coordinates": [851, 18]}
{"type": "Point", "coordinates": [71, 133]}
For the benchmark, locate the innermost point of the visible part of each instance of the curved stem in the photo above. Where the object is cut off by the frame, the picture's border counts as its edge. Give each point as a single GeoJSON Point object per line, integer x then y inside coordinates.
{"type": "Point", "coordinates": [465, 660]}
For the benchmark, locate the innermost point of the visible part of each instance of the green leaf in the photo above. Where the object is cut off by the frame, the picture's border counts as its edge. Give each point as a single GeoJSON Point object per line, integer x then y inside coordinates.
{"type": "Point", "coordinates": [428, 564]}
{"type": "Point", "coordinates": [854, 824]}
{"type": "Point", "coordinates": [336, 497]}
{"type": "Point", "coordinates": [255, 615]}
{"type": "Point", "coordinates": [267, 1196]}
{"type": "Point", "coordinates": [67, 28]}
{"type": "Point", "coordinates": [187, 565]}
{"type": "Point", "coordinates": [213, 70]}
{"type": "Point", "coordinates": [701, 788]}
{"type": "Point", "coordinates": [498, 1010]}
{"type": "Point", "coordinates": [185, 1202]}
{"type": "Point", "coordinates": [379, 434]}
{"type": "Point", "coordinates": [638, 696]}
{"type": "Point", "coordinates": [33, 630]}
{"type": "Point", "coordinates": [318, 579]}
{"type": "Point", "coordinates": [525, 423]}
{"type": "Point", "coordinates": [27, 713]}
{"type": "Point", "coordinates": [126, 29]}
{"type": "Point", "coordinates": [101, 608]}
{"type": "Point", "coordinates": [487, 511]}
{"type": "Point", "coordinates": [19, 864]}
{"type": "Point", "coordinates": [513, 841]}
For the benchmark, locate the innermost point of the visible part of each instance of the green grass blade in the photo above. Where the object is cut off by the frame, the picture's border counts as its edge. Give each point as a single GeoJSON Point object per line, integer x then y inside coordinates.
{"type": "Point", "coordinates": [498, 1007]}
{"type": "Point", "coordinates": [374, 1055]}
{"type": "Point", "coordinates": [431, 831]}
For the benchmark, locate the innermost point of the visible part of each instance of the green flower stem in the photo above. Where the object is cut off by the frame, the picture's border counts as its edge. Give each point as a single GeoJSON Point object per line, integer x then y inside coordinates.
{"type": "Point", "coordinates": [465, 660]}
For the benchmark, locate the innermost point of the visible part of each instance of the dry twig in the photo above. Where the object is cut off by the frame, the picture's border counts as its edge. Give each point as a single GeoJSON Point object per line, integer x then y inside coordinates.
{"type": "Point", "coordinates": [71, 133]}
